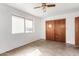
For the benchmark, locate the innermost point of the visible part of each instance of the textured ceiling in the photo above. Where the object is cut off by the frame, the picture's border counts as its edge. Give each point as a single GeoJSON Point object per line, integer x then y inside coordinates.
{"type": "Point", "coordinates": [58, 9]}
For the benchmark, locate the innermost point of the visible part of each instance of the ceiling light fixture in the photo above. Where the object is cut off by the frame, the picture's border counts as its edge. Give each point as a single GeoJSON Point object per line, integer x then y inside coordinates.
{"type": "Point", "coordinates": [44, 6]}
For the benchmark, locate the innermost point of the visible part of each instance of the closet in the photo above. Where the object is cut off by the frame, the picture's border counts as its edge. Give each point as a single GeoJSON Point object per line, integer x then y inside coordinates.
{"type": "Point", "coordinates": [55, 30]}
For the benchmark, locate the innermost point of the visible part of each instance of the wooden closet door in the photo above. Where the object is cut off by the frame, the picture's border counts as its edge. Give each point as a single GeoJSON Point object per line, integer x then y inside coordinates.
{"type": "Point", "coordinates": [77, 31]}
{"type": "Point", "coordinates": [49, 30]}
{"type": "Point", "coordinates": [60, 30]}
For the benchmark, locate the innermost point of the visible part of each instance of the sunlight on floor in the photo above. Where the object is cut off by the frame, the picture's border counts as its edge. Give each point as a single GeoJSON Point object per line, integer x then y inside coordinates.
{"type": "Point", "coordinates": [36, 52]}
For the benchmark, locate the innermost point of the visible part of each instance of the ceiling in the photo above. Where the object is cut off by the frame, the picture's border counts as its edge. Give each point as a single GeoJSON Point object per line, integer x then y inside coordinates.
{"type": "Point", "coordinates": [58, 9]}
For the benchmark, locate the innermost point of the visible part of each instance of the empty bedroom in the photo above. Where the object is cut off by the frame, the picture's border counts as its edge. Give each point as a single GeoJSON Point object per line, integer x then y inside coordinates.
{"type": "Point", "coordinates": [39, 29]}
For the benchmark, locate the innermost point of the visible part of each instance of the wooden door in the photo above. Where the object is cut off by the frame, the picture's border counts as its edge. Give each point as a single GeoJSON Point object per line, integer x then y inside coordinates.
{"type": "Point", "coordinates": [77, 31]}
{"type": "Point", "coordinates": [55, 30]}
{"type": "Point", "coordinates": [49, 30]}
{"type": "Point", "coordinates": [60, 30]}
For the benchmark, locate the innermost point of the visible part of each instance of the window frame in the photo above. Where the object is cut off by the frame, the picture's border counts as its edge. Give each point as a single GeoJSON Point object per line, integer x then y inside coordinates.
{"type": "Point", "coordinates": [24, 19]}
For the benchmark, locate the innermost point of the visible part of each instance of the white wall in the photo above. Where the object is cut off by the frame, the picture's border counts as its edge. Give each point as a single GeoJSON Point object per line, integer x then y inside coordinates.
{"type": "Point", "coordinates": [10, 41]}
{"type": "Point", "coordinates": [70, 25]}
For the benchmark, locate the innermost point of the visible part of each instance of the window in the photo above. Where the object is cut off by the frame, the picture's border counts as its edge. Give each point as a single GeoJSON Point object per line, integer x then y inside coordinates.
{"type": "Point", "coordinates": [17, 24]}
{"type": "Point", "coordinates": [29, 26]}
{"type": "Point", "coordinates": [21, 25]}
